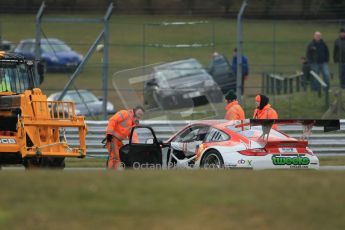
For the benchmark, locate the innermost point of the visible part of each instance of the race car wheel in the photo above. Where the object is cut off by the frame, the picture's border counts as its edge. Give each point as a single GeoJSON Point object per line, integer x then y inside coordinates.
{"type": "Point", "coordinates": [212, 159]}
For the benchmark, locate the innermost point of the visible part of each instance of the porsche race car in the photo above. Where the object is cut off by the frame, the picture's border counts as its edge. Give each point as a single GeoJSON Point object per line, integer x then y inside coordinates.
{"type": "Point", "coordinates": [251, 144]}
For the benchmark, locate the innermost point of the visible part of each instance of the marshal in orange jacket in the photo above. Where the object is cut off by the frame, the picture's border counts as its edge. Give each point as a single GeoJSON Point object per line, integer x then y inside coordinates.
{"type": "Point", "coordinates": [264, 110]}
{"type": "Point", "coordinates": [119, 128]}
{"type": "Point", "coordinates": [234, 111]}
{"type": "Point", "coordinates": [266, 113]}
{"type": "Point", "coordinates": [120, 124]}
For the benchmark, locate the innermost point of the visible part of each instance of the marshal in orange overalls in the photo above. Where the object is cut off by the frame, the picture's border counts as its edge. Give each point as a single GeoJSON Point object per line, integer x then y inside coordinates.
{"type": "Point", "coordinates": [119, 129]}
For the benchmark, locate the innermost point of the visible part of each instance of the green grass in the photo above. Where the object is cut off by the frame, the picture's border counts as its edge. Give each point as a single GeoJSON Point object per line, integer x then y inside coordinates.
{"type": "Point", "coordinates": [89, 162]}
{"type": "Point", "coordinates": [172, 200]}
{"type": "Point", "coordinates": [271, 46]}
{"type": "Point", "coordinates": [326, 161]}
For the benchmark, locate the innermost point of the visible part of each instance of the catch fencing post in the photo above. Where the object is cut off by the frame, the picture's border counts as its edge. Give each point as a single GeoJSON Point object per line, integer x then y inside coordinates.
{"type": "Point", "coordinates": [105, 63]}
{"type": "Point", "coordinates": [103, 35]}
{"type": "Point", "coordinates": [38, 34]}
{"type": "Point", "coordinates": [239, 52]}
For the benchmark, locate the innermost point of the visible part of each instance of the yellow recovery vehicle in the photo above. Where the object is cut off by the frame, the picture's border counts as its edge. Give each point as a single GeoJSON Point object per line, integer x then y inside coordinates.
{"type": "Point", "coordinates": [32, 128]}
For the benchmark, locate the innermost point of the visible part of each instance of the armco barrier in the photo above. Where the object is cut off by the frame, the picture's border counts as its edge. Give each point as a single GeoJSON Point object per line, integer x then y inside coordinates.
{"type": "Point", "coordinates": [323, 144]}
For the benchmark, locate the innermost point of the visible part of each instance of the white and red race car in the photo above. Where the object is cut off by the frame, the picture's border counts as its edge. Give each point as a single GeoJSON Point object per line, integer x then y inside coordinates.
{"type": "Point", "coordinates": [250, 143]}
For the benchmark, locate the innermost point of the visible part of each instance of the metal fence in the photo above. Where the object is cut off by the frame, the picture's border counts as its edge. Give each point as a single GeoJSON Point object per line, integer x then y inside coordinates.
{"type": "Point", "coordinates": [272, 46]}
{"type": "Point", "coordinates": [323, 144]}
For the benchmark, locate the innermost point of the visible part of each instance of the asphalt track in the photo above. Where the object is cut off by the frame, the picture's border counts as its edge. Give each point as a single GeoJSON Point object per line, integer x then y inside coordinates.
{"type": "Point", "coordinates": [322, 168]}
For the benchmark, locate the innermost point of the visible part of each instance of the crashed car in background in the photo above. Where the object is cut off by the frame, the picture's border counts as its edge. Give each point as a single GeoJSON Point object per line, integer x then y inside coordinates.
{"type": "Point", "coordinates": [249, 144]}
{"type": "Point", "coordinates": [180, 84]}
{"type": "Point", "coordinates": [56, 54]}
{"type": "Point", "coordinates": [86, 103]}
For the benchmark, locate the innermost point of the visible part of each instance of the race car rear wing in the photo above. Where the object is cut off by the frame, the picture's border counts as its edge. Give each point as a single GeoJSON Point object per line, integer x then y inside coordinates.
{"type": "Point", "coordinates": [328, 125]}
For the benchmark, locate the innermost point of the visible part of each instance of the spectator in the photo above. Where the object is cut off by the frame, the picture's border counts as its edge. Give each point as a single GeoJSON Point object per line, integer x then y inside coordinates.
{"type": "Point", "coordinates": [339, 56]}
{"type": "Point", "coordinates": [245, 67]}
{"type": "Point", "coordinates": [305, 73]}
{"type": "Point", "coordinates": [318, 57]}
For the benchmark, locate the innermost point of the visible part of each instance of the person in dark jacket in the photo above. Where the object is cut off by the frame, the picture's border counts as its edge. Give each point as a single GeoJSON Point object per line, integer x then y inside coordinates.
{"type": "Point", "coordinates": [318, 57]}
{"type": "Point", "coordinates": [245, 67]}
{"type": "Point", "coordinates": [339, 56]}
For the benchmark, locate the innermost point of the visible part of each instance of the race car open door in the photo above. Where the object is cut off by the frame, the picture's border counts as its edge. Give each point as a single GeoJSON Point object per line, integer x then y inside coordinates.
{"type": "Point", "coordinates": [143, 149]}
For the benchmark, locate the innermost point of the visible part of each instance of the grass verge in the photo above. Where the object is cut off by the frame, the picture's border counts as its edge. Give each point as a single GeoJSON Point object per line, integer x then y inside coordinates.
{"type": "Point", "coordinates": [172, 200]}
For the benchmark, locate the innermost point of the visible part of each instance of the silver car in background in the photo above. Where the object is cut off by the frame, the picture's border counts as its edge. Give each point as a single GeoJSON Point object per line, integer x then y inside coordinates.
{"type": "Point", "coordinates": [86, 103]}
{"type": "Point", "coordinates": [180, 84]}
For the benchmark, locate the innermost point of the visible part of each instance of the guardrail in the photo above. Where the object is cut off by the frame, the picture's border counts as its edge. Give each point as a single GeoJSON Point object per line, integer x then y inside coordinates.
{"type": "Point", "coordinates": [323, 144]}
{"type": "Point", "coordinates": [277, 84]}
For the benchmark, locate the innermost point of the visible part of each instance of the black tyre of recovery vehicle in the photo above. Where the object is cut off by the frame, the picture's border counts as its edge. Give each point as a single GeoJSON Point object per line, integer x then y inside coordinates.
{"type": "Point", "coordinates": [44, 162]}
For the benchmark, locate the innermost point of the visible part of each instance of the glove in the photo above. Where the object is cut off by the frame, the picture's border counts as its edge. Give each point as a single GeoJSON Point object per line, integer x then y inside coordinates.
{"type": "Point", "coordinates": [109, 138]}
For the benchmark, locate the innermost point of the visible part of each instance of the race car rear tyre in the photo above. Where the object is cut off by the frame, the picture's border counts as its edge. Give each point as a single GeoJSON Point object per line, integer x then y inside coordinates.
{"type": "Point", "coordinates": [212, 159]}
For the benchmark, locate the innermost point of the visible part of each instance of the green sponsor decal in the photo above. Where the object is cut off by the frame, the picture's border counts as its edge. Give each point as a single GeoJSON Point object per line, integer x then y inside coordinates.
{"type": "Point", "coordinates": [278, 160]}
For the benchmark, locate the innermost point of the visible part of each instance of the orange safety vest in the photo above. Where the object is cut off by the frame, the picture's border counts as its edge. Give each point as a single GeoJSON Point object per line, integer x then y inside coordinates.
{"type": "Point", "coordinates": [266, 113]}
{"type": "Point", "coordinates": [120, 124]}
{"type": "Point", "coordinates": [234, 111]}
